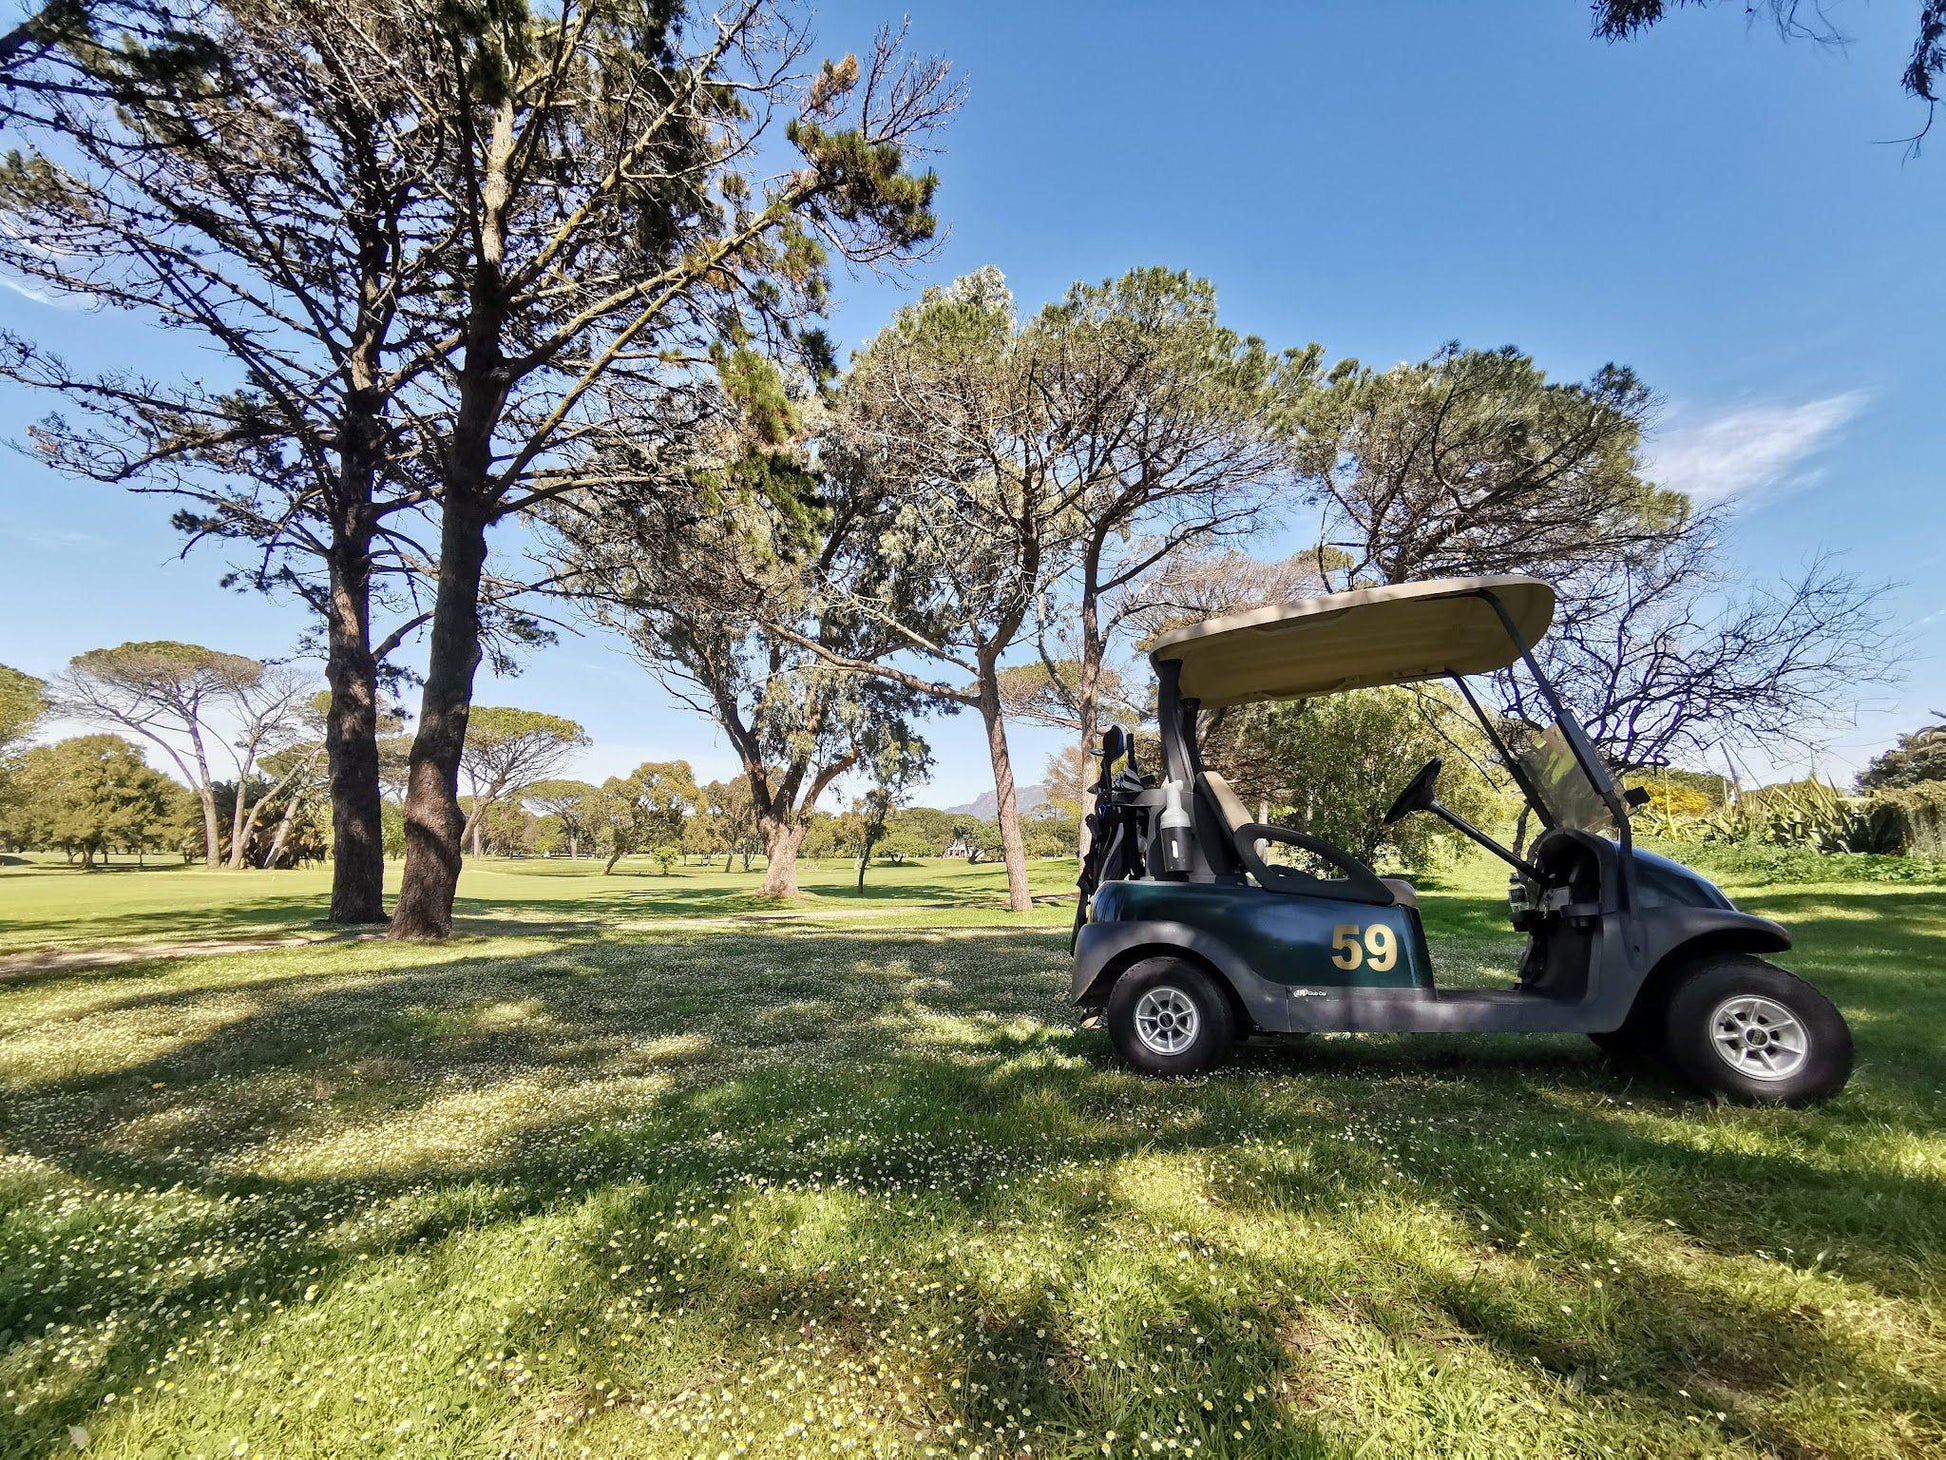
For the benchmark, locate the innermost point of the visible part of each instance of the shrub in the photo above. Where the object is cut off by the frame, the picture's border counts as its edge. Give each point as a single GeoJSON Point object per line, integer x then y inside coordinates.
{"type": "Point", "coordinates": [1767, 863]}
{"type": "Point", "coordinates": [1807, 814]}
{"type": "Point", "coordinates": [1673, 806]}
{"type": "Point", "coordinates": [1051, 836]}
{"type": "Point", "coordinates": [1920, 812]}
{"type": "Point", "coordinates": [1917, 759]}
{"type": "Point", "coordinates": [900, 847]}
{"type": "Point", "coordinates": [1674, 801]}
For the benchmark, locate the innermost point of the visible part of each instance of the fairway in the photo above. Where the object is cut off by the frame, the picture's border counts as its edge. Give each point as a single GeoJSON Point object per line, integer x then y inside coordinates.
{"type": "Point", "coordinates": [637, 1166]}
{"type": "Point", "coordinates": [46, 905]}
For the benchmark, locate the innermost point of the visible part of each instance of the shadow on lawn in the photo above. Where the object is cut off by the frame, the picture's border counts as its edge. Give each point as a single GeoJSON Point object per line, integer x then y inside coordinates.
{"type": "Point", "coordinates": [920, 1095]}
{"type": "Point", "coordinates": [648, 895]}
{"type": "Point", "coordinates": [259, 916]}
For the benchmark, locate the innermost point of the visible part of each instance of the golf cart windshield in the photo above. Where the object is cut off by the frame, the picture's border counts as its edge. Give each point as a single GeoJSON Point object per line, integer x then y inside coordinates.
{"type": "Point", "coordinates": [1568, 797]}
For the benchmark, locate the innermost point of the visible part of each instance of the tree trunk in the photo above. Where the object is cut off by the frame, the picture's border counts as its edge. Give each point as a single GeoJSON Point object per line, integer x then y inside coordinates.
{"type": "Point", "coordinates": [1083, 838]}
{"type": "Point", "coordinates": [239, 822]}
{"type": "Point", "coordinates": [467, 506]}
{"type": "Point", "coordinates": [609, 865]}
{"type": "Point", "coordinates": [1012, 846]}
{"type": "Point", "coordinates": [283, 830]}
{"type": "Point", "coordinates": [244, 834]}
{"type": "Point", "coordinates": [782, 837]}
{"type": "Point", "coordinates": [351, 665]}
{"type": "Point", "coordinates": [200, 783]}
{"type": "Point", "coordinates": [351, 739]}
{"type": "Point", "coordinates": [1087, 708]}
{"type": "Point", "coordinates": [241, 836]}
{"type": "Point", "coordinates": [432, 816]}
{"type": "Point", "coordinates": [212, 834]}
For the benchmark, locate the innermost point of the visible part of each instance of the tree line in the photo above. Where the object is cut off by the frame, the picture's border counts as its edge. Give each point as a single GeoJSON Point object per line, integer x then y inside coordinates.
{"type": "Point", "coordinates": [246, 740]}
{"type": "Point", "coordinates": [207, 713]}
{"type": "Point", "coordinates": [94, 794]}
{"type": "Point", "coordinates": [663, 812]}
{"type": "Point", "coordinates": [521, 314]}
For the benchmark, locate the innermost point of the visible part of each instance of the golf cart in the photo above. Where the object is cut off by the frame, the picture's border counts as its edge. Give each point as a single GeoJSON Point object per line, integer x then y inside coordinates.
{"type": "Point", "coordinates": [1198, 925]}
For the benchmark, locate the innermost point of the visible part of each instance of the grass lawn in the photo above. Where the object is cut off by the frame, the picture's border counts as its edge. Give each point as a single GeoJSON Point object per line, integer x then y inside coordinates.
{"type": "Point", "coordinates": [619, 1171]}
{"type": "Point", "coordinates": [46, 904]}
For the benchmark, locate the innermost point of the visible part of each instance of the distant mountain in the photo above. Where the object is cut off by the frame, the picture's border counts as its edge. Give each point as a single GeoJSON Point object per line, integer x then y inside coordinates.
{"type": "Point", "coordinates": [1031, 800]}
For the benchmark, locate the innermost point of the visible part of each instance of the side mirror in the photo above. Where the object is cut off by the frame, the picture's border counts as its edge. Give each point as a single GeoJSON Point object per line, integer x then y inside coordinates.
{"type": "Point", "coordinates": [1636, 797]}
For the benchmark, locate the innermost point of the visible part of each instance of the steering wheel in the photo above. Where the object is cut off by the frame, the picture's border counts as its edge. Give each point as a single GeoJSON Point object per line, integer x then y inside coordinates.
{"type": "Point", "coordinates": [1418, 793]}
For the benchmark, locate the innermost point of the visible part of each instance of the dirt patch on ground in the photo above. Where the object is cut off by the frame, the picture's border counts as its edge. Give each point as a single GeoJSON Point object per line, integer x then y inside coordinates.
{"type": "Point", "coordinates": [64, 960]}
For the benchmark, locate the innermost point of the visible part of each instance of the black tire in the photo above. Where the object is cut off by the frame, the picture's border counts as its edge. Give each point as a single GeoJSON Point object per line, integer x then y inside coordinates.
{"type": "Point", "coordinates": [1640, 1042]}
{"type": "Point", "coordinates": [1145, 1027]}
{"type": "Point", "coordinates": [1725, 1034]}
{"type": "Point", "coordinates": [1626, 1047]}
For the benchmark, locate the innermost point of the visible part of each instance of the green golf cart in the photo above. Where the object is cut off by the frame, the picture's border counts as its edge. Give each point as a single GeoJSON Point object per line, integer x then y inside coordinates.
{"type": "Point", "coordinates": [1199, 924]}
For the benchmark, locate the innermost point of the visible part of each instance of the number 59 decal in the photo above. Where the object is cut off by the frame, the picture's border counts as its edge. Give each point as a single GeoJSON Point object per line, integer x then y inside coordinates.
{"type": "Point", "coordinates": [1376, 947]}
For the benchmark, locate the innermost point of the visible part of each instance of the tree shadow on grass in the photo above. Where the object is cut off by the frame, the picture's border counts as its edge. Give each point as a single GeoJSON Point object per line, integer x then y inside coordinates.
{"type": "Point", "coordinates": [920, 1148]}
{"type": "Point", "coordinates": [257, 917]}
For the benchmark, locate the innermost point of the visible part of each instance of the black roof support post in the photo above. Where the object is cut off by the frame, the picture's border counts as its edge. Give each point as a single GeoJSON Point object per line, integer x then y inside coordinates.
{"type": "Point", "coordinates": [1176, 722]}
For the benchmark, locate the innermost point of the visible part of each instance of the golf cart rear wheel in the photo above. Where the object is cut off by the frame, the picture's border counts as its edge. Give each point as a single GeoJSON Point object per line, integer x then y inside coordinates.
{"type": "Point", "coordinates": [1748, 1031]}
{"type": "Point", "coordinates": [1169, 1019]}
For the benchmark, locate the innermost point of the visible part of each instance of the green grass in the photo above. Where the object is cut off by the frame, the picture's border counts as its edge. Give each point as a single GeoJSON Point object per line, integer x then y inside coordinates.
{"type": "Point", "coordinates": [618, 1171]}
{"type": "Point", "coordinates": [46, 904]}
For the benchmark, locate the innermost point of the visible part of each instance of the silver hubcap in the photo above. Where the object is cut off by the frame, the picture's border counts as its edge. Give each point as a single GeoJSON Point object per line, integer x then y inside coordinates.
{"type": "Point", "coordinates": [1165, 1020]}
{"type": "Point", "coordinates": [1759, 1037]}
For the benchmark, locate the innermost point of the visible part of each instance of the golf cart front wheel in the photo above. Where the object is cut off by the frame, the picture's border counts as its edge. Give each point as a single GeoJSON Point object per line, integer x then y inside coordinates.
{"type": "Point", "coordinates": [1169, 1019]}
{"type": "Point", "coordinates": [1748, 1031]}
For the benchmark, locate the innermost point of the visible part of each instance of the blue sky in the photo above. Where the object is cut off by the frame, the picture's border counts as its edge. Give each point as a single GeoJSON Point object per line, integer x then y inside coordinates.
{"type": "Point", "coordinates": [1725, 212]}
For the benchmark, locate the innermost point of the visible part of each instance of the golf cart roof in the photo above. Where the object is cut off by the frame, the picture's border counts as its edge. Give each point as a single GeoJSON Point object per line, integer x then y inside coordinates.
{"type": "Point", "coordinates": [1370, 636]}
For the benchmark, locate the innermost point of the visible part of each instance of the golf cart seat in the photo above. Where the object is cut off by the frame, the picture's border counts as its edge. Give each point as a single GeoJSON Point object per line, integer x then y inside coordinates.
{"type": "Point", "coordinates": [1230, 838]}
{"type": "Point", "coordinates": [1403, 892]}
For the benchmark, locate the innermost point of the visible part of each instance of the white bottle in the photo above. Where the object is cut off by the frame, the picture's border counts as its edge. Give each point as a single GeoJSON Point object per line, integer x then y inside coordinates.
{"type": "Point", "coordinates": [1173, 827]}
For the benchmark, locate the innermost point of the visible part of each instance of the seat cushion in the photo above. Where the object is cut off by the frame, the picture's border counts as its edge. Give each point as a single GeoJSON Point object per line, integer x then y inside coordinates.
{"type": "Point", "coordinates": [1228, 804]}
{"type": "Point", "coordinates": [1212, 805]}
{"type": "Point", "coordinates": [1403, 892]}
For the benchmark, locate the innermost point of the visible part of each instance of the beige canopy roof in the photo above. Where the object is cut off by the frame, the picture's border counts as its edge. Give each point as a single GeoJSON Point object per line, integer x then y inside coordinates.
{"type": "Point", "coordinates": [1342, 641]}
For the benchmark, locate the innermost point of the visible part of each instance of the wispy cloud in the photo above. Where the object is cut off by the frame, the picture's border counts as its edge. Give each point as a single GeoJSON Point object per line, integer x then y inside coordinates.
{"type": "Point", "coordinates": [28, 291]}
{"type": "Point", "coordinates": [1751, 452]}
{"type": "Point", "coordinates": [56, 540]}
